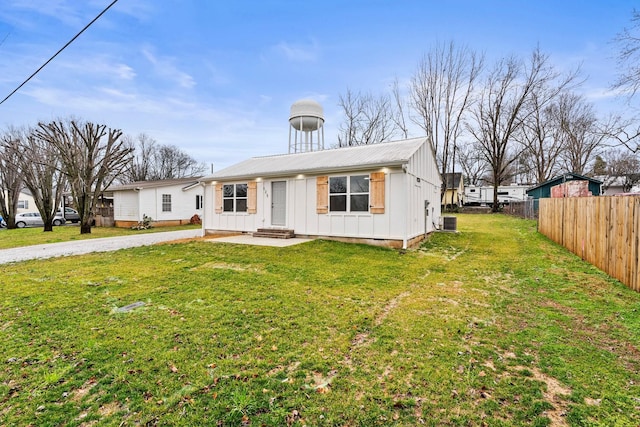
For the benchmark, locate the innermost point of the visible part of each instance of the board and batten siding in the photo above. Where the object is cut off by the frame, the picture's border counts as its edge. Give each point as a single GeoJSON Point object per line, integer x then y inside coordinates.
{"type": "Point", "coordinates": [307, 208]}
{"type": "Point", "coordinates": [421, 166]}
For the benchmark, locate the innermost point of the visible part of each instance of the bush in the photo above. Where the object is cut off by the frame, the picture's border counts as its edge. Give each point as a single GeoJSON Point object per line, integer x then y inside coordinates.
{"type": "Point", "coordinates": [145, 224]}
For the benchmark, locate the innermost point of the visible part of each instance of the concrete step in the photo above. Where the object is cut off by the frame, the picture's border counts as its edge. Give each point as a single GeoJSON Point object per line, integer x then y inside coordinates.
{"type": "Point", "coordinates": [274, 233]}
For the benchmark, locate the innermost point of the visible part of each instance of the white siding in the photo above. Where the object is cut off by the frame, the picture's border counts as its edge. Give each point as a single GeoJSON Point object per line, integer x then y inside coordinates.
{"type": "Point", "coordinates": [423, 166]}
{"type": "Point", "coordinates": [131, 205]}
{"type": "Point", "coordinates": [125, 206]}
{"type": "Point", "coordinates": [406, 190]}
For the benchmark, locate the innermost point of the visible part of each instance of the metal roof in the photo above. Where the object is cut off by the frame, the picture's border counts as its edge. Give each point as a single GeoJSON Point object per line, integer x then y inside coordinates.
{"type": "Point", "coordinates": [332, 160]}
{"type": "Point", "coordinates": [185, 182]}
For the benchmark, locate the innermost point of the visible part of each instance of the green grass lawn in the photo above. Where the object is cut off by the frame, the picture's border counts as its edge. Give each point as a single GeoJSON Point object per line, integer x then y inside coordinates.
{"type": "Point", "coordinates": [35, 235]}
{"type": "Point", "coordinates": [495, 325]}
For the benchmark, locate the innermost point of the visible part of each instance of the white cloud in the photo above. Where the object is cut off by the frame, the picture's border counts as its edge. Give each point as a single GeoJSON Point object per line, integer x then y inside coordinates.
{"type": "Point", "coordinates": [298, 52]}
{"type": "Point", "coordinates": [64, 11]}
{"type": "Point", "coordinates": [165, 67]}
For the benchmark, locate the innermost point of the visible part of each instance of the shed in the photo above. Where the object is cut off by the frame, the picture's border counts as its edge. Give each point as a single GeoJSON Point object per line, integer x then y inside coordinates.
{"type": "Point", "coordinates": [385, 194]}
{"type": "Point", "coordinates": [167, 202]}
{"type": "Point", "coordinates": [542, 191]}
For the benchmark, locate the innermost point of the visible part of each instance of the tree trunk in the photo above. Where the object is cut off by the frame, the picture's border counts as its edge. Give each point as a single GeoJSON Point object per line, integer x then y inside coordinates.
{"type": "Point", "coordinates": [48, 227]}
{"type": "Point", "coordinates": [85, 228]}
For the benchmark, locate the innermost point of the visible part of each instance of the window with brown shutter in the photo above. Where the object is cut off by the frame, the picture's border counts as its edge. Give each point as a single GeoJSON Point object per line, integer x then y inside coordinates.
{"type": "Point", "coordinates": [218, 206]}
{"type": "Point", "coordinates": [322, 194]}
{"type": "Point", "coordinates": [377, 192]}
{"type": "Point", "coordinates": [252, 197]}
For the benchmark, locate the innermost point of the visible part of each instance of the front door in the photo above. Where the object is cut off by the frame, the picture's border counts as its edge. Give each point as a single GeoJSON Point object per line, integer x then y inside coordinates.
{"type": "Point", "coordinates": [279, 203]}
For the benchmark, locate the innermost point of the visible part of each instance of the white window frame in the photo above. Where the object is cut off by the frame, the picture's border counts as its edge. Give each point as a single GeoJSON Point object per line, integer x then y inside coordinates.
{"type": "Point", "coordinates": [230, 196]}
{"type": "Point", "coordinates": [349, 194]}
{"type": "Point", "coordinates": [166, 203]}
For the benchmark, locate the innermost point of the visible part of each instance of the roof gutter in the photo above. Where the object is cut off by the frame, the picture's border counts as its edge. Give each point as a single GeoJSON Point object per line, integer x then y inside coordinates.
{"type": "Point", "coordinates": [314, 171]}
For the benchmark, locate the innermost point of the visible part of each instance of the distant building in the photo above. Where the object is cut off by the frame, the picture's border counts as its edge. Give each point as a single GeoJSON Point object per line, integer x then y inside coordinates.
{"type": "Point", "coordinates": [26, 202]}
{"type": "Point", "coordinates": [454, 192]}
{"type": "Point", "coordinates": [585, 186]}
{"type": "Point", "coordinates": [167, 202]}
{"type": "Point", "coordinates": [612, 185]}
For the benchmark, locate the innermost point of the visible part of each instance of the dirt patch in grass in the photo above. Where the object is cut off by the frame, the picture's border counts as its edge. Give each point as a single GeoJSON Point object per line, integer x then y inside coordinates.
{"type": "Point", "coordinates": [110, 409]}
{"type": "Point", "coordinates": [600, 336]}
{"type": "Point", "coordinates": [225, 266]}
{"type": "Point", "coordinates": [553, 394]}
{"type": "Point", "coordinates": [80, 393]}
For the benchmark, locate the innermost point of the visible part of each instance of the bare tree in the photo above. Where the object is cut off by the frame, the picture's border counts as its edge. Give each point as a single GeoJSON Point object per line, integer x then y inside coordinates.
{"type": "Point", "coordinates": [41, 166]}
{"type": "Point", "coordinates": [92, 155]}
{"type": "Point", "coordinates": [141, 165]}
{"type": "Point", "coordinates": [502, 109]}
{"type": "Point", "coordinates": [628, 41]}
{"type": "Point", "coordinates": [627, 83]}
{"type": "Point", "coordinates": [540, 135]}
{"type": "Point", "coordinates": [368, 119]}
{"type": "Point", "coordinates": [473, 163]}
{"type": "Point", "coordinates": [621, 166]}
{"type": "Point", "coordinates": [441, 94]}
{"type": "Point", "coordinates": [400, 115]}
{"type": "Point", "coordinates": [11, 181]}
{"type": "Point", "coordinates": [581, 133]}
{"type": "Point", "coordinates": [151, 161]}
{"type": "Point", "coordinates": [171, 162]}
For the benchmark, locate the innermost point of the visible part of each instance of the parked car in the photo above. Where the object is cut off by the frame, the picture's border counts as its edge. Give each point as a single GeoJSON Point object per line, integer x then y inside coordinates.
{"type": "Point", "coordinates": [33, 219]}
{"type": "Point", "coordinates": [2, 223]}
{"type": "Point", "coordinates": [70, 215]}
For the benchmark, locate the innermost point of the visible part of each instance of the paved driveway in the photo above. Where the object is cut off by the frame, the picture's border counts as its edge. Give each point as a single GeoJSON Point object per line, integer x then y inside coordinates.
{"type": "Point", "coordinates": [103, 244]}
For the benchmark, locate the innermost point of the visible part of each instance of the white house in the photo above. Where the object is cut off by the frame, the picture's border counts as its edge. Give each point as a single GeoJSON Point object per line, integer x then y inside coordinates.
{"type": "Point", "coordinates": [25, 202]}
{"type": "Point", "coordinates": [612, 185]}
{"type": "Point", "coordinates": [167, 202]}
{"type": "Point", "coordinates": [386, 194]}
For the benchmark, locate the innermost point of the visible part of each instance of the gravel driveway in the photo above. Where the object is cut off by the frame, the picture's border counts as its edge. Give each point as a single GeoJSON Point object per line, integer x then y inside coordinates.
{"type": "Point", "coordinates": [104, 244]}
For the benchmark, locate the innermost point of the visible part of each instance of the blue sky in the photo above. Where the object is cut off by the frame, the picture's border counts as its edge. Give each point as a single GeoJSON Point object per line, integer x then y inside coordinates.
{"type": "Point", "coordinates": [217, 78]}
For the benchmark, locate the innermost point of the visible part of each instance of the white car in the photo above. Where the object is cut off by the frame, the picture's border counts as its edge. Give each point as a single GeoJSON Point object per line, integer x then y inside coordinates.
{"type": "Point", "coordinates": [33, 219]}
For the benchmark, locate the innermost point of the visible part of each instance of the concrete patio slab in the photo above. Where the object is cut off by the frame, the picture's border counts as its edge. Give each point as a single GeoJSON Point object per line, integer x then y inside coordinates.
{"type": "Point", "coordinates": [246, 239]}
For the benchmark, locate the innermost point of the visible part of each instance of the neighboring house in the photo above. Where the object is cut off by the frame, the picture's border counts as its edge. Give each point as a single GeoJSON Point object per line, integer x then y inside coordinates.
{"type": "Point", "coordinates": [567, 185]}
{"type": "Point", "coordinates": [386, 194]}
{"type": "Point", "coordinates": [167, 202]}
{"type": "Point", "coordinates": [25, 202]}
{"type": "Point", "coordinates": [454, 193]}
{"type": "Point", "coordinates": [612, 185]}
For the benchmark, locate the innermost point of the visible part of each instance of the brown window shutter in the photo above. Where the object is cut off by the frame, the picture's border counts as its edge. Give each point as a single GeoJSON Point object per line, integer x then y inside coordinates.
{"type": "Point", "coordinates": [252, 197]}
{"type": "Point", "coordinates": [322, 194]}
{"type": "Point", "coordinates": [376, 182]}
{"type": "Point", "coordinates": [218, 198]}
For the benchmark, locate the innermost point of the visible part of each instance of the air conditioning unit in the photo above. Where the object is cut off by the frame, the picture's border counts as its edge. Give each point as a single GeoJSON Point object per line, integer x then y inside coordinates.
{"type": "Point", "coordinates": [449, 223]}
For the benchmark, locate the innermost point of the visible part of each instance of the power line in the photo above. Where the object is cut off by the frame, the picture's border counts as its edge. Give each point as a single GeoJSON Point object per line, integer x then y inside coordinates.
{"type": "Point", "coordinates": [56, 54]}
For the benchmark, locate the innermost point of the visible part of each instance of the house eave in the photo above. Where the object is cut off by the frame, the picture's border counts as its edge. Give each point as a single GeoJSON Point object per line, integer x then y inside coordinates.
{"type": "Point", "coordinates": [296, 172]}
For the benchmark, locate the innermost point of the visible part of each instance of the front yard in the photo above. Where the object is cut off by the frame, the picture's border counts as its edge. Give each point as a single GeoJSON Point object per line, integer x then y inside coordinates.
{"type": "Point", "coordinates": [493, 326]}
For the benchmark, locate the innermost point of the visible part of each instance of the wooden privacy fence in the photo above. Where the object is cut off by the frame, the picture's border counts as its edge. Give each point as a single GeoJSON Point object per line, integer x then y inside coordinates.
{"type": "Point", "coordinates": [604, 231]}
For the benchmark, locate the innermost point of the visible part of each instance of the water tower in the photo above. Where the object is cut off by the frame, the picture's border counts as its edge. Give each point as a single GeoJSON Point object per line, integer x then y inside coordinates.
{"type": "Point", "coordinates": [306, 119]}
